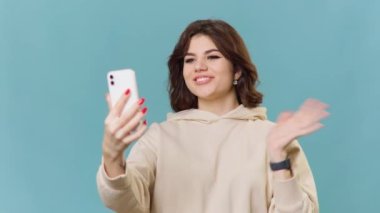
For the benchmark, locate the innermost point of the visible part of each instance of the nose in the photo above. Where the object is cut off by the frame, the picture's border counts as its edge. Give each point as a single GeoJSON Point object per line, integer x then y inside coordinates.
{"type": "Point", "coordinates": [200, 65]}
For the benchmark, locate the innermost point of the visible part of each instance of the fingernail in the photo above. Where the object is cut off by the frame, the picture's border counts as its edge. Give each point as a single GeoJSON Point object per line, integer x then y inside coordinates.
{"type": "Point", "coordinates": [144, 110]}
{"type": "Point", "coordinates": [127, 92]}
{"type": "Point", "coordinates": [145, 122]}
{"type": "Point", "coordinates": [141, 101]}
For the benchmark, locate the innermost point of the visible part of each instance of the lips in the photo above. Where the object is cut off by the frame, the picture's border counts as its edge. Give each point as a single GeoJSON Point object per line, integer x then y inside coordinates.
{"type": "Point", "coordinates": [203, 79]}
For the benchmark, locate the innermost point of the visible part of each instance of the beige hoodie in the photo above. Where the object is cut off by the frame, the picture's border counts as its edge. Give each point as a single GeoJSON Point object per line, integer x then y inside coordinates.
{"type": "Point", "coordinates": [199, 162]}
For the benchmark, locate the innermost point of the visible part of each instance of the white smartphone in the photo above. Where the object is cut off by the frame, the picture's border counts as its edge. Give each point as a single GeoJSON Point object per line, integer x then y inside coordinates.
{"type": "Point", "coordinates": [118, 82]}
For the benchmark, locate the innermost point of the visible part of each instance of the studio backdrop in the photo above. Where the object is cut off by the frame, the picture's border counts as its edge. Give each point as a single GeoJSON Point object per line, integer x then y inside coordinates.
{"type": "Point", "coordinates": [54, 56]}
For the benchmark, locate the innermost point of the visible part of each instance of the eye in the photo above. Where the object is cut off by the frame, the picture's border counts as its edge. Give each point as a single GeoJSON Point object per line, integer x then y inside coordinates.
{"type": "Point", "coordinates": [189, 60]}
{"type": "Point", "coordinates": [213, 57]}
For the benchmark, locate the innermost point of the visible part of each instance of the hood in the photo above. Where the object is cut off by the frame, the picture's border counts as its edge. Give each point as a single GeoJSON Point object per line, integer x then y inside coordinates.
{"type": "Point", "coordinates": [239, 113]}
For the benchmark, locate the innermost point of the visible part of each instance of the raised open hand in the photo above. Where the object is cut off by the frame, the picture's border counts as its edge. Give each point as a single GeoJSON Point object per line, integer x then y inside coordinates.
{"type": "Point", "coordinates": [291, 125]}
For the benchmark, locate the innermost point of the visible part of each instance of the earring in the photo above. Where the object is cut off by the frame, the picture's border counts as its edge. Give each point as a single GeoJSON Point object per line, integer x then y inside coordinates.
{"type": "Point", "coordinates": [235, 82]}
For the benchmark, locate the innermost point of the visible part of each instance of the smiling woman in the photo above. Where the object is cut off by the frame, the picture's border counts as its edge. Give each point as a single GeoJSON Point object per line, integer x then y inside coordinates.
{"type": "Point", "coordinates": [217, 152]}
{"type": "Point", "coordinates": [222, 46]}
{"type": "Point", "coordinates": [209, 75]}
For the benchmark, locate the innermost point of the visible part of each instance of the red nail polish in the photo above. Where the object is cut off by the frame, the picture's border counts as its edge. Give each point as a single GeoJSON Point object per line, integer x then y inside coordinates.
{"type": "Point", "coordinates": [127, 92]}
{"type": "Point", "coordinates": [144, 110]}
{"type": "Point", "coordinates": [141, 101]}
{"type": "Point", "coordinates": [145, 122]}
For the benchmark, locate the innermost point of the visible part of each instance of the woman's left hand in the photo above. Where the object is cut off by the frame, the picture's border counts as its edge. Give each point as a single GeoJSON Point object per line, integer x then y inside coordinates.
{"type": "Point", "coordinates": [291, 125]}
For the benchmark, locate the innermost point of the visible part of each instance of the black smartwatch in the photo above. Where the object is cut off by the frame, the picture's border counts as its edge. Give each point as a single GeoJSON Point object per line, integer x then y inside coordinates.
{"type": "Point", "coordinates": [280, 165]}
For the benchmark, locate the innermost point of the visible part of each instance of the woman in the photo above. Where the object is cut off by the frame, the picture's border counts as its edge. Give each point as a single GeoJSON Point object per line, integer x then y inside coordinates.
{"type": "Point", "coordinates": [217, 152]}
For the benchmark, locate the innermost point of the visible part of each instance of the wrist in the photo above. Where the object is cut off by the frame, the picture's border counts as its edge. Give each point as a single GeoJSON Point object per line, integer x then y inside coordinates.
{"type": "Point", "coordinates": [277, 155]}
{"type": "Point", "coordinates": [114, 161]}
{"type": "Point", "coordinates": [114, 168]}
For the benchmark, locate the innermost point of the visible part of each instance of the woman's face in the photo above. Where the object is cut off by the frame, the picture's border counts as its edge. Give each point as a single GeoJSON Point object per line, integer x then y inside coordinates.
{"type": "Point", "coordinates": [207, 73]}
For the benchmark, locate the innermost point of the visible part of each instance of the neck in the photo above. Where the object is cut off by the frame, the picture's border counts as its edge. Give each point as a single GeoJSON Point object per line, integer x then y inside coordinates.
{"type": "Point", "coordinates": [218, 106]}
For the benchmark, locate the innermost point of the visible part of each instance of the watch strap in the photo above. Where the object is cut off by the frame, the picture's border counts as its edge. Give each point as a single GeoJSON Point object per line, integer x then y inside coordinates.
{"type": "Point", "coordinates": [280, 165]}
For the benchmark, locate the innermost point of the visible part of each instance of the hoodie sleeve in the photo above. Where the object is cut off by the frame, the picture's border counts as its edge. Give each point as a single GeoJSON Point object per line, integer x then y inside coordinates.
{"type": "Point", "coordinates": [131, 192]}
{"type": "Point", "coordinates": [298, 194]}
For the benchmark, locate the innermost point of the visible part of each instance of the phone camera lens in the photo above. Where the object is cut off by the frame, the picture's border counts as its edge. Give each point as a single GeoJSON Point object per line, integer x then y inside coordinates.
{"type": "Point", "coordinates": [112, 83]}
{"type": "Point", "coordinates": [111, 76]}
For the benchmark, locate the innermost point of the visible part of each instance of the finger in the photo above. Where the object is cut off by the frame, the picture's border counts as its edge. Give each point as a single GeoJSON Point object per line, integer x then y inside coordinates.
{"type": "Point", "coordinates": [318, 118]}
{"type": "Point", "coordinates": [313, 104]}
{"type": "Point", "coordinates": [314, 117]}
{"type": "Point", "coordinates": [108, 99]}
{"type": "Point", "coordinates": [112, 125]}
{"type": "Point", "coordinates": [109, 117]}
{"type": "Point", "coordinates": [136, 107]}
{"type": "Point", "coordinates": [136, 135]}
{"type": "Point", "coordinates": [131, 112]}
{"type": "Point", "coordinates": [115, 123]}
{"type": "Point", "coordinates": [131, 124]}
{"type": "Point", "coordinates": [310, 129]}
{"type": "Point", "coordinates": [312, 110]}
{"type": "Point", "coordinates": [284, 116]}
{"type": "Point", "coordinates": [322, 115]}
{"type": "Point", "coordinates": [118, 108]}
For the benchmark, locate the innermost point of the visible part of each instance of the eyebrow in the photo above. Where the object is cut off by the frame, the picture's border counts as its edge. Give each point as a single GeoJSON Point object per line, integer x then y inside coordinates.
{"type": "Point", "coordinates": [206, 52]}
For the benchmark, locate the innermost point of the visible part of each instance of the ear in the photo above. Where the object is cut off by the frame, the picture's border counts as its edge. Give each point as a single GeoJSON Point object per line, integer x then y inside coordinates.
{"type": "Point", "coordinates": [237, 74]}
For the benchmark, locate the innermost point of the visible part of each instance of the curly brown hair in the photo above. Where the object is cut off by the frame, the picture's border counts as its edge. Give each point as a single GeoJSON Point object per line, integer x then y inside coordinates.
{"type": "Point", "coordinates": [231, 45]}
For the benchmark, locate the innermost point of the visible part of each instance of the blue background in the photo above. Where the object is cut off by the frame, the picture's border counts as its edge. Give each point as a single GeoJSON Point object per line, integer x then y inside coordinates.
{"type": "Point", "coordinates": [54, 56]}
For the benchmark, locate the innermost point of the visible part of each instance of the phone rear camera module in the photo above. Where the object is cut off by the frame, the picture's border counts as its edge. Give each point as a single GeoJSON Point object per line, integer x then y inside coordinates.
{"type": "Point", "coordinates": [112, 83]}
{"type": "Point", "coordinates": [111, 76]}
